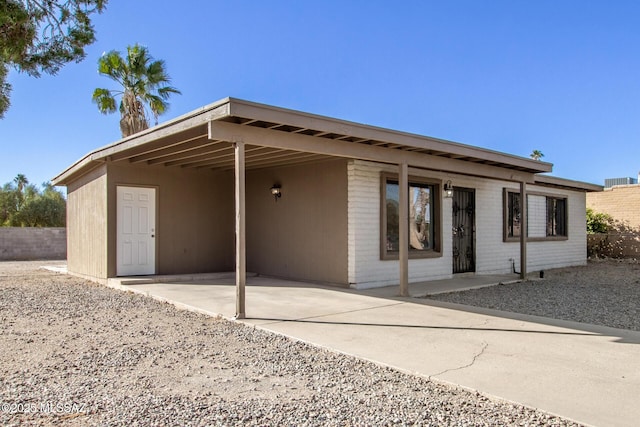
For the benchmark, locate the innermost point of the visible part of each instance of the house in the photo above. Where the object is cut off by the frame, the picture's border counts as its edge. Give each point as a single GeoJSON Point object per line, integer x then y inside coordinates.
{"type": "Point", "coordinates": [243, 186]}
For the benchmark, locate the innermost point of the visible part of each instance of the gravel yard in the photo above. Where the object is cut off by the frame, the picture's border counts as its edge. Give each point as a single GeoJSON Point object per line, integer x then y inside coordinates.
{"type": "Point", "coordinates": [76, 353]}
{"type": "Point", "coordinates": [605, 292]}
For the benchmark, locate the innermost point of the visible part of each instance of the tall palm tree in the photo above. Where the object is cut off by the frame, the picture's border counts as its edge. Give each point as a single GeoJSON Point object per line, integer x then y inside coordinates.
{"type": "Point", "coordinates": [536, 155]}
{"type": "Point", "coordinates": [20, 181]}
{"type": "Point", "coordinates": [144, 82]}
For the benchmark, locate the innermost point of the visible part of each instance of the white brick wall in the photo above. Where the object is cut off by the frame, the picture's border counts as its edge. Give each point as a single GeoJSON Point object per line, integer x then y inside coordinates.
{"type": "Point", "coordinates": [493, 256]}
{"type": "Point", "coordinates": [537, 219]}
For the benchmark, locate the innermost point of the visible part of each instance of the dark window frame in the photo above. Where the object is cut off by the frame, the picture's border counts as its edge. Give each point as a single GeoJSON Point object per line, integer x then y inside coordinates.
{"type": "Point", "coordinates": [435, 200]}
{"type": "Point", "coordinates": [507, 215]}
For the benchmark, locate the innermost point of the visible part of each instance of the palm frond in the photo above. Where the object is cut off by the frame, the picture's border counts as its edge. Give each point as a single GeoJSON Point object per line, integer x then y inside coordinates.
{"type": "Point", "coordinates": [144, 81]}
{"type": "Point", "coordinates": [105, 100]}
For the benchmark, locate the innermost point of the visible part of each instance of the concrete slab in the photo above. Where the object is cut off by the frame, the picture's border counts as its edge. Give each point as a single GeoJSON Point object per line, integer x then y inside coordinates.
{"type": "Point", "coordinates": [586, 373]}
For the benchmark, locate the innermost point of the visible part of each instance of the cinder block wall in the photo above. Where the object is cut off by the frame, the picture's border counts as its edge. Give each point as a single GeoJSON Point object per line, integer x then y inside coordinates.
{"type": "Point", "coordinates": [621, 202]}
{"type": "Point", "coordinates": [26, 243]}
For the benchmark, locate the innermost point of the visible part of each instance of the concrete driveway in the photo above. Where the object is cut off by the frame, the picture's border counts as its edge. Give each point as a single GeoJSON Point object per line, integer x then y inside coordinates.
{"type": "Point", "coordinates": [587, 373]}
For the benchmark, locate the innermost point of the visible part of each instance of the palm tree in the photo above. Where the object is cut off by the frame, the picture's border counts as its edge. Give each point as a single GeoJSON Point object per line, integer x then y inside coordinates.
{"type": "Point", "coordinates": [20, 181]}
{"type": "Point", "coordinates": [536, 155]}
{"type": "Point", "coordinates": [144, 82]}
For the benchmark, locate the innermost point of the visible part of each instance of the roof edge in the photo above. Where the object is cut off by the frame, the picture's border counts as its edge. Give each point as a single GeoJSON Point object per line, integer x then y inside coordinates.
{"type": "Point", "coordinates": [538, 166]}
{"type": "Point", "coordinates": [136, 139]}
{"type": "Point", "coordinates": [554, 181]}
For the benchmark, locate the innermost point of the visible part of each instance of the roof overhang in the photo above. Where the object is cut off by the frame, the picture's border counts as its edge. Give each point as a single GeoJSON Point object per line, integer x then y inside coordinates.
{"type": "Point", "coordinates": [568, 184]}
{"type": "Point", "coordinates": [275, 136]}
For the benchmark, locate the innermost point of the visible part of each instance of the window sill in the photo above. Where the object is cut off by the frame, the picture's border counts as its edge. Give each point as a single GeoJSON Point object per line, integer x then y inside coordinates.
{"type": "Point", "coordinates": [537, 239]}
{"type": "Point", "coordinates": [390, 256]}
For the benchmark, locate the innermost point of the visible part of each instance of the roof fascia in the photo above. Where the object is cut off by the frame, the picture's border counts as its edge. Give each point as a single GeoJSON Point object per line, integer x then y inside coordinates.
{"type": "Point", "coordinates": [567, 183]}
{"type": "Point", "coordinates": [267, 113]}
{"type": "Point", "coordinates": [201, 116]}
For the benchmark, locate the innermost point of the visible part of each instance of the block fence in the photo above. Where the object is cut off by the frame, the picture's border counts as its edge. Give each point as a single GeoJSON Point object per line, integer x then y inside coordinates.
{"type": "Point", "coordinates": [27, 243]}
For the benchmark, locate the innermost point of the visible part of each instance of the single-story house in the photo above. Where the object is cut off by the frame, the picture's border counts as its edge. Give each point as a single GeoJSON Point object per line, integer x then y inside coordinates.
{"type": "Point", "coordinates": [242, 186]}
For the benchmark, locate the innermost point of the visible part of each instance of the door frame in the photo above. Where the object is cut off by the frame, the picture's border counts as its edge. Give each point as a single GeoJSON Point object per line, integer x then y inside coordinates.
{"type": "Point", "coordinates": [472, 191]}
{"type": "Point", "coordinates": [117, 226]}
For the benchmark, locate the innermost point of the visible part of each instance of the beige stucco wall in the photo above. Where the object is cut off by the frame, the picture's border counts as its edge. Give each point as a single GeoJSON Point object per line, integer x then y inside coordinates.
{"type": "Point", "coordinates": [621, 202]}
{"type": "Point", "coordinates": [87, 225]}
{"type": "Point", "coordinates": [304, 234]}
{"type": "Point", "coordinates": [194, 222]}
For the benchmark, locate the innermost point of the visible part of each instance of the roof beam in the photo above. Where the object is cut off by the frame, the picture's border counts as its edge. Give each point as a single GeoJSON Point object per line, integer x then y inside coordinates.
{"type": "Point", "coordinates": [184, 146]}
{"type": "Point", "coordinates": [298, 142]}
{"type": "Point", "coordinates": [206, 160]}
{"type": "Point", "coordinates": [206, 149]}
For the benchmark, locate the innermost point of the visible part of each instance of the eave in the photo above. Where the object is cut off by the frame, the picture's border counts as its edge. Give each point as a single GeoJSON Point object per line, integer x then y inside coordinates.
{"type": "Point", "coordinates": [203, 139]}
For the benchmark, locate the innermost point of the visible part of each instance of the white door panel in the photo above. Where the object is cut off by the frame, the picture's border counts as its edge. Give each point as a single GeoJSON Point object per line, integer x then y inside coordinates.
{"type": "Point", "coordinates": [136, 226]}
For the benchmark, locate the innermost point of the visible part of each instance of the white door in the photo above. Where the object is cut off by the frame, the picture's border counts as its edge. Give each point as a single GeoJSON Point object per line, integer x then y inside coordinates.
{"type": "Point", "coordinates": [136, 231]}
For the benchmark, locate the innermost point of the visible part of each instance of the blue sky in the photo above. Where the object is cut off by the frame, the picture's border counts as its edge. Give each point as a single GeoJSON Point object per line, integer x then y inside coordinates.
{"type": "Point", "coordinates": [562, 77]}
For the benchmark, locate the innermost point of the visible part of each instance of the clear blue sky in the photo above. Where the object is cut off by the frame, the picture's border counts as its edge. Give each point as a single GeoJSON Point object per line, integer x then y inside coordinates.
{"type": "Point", "coordinates": [562, 77]}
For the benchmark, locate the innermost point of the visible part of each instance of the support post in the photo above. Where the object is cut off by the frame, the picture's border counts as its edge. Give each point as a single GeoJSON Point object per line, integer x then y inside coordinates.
{"type": "Point", "coordinates": [403, 224]}
{"type": "Point", "coordinates": [240, 220]}
{"type": "Point", "coordinates": [524, 228]}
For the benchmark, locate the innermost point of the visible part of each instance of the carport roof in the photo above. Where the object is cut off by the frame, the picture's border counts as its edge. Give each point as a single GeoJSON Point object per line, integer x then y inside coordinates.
{"type": "Point", "coordinates": [203, 139]}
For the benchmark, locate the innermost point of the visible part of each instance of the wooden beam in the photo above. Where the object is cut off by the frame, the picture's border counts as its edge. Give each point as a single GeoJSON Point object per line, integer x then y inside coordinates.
{"type": "Point", "coordinates": [241, 257]}
{"type": "Point", "coordinates": [298, 142]}
{"type": "Point", "coordinates": [524, 230]}
{"type": "Point", "coordinates": [188, 145]}
{"type": "Point", "coordinates": [403, 224]}
{"type": "Point", "coordinates": [205, 160]}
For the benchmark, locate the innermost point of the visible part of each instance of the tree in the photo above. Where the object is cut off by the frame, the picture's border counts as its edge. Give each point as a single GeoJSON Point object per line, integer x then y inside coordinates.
{"type": "Point", "coordinates": [23, 205]}
{"type": "Point", "coordinates": [144, 82]}
{"type": "Point", "coordinates": [536, 155]}
{"type": "Point", "coordinates": [41, 36]}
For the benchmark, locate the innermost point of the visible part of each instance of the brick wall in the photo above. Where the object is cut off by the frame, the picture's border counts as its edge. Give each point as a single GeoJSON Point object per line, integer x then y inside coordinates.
{"type": "Point", "coordinates": [621, 202]}
{"type": "Point", "coordinates": [26, 243]}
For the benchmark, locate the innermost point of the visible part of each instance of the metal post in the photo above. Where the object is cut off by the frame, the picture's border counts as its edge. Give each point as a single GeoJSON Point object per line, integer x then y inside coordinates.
{"type": "Point", "coordinates": [241, 263]}
{"type": "Point", "coordinates": [403, 224]}
{"type": "Point", "coordinates": [523, 230]}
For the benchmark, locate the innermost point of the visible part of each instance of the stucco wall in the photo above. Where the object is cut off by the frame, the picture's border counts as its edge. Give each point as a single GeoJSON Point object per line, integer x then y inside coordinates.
{"type": "Point", "coordinates": [493, 255]}
{"type": "Point", "coordinates": [87, 225]}
{"type": "Point", "coordinates": [304, 234]}
{"type": "Point", "coordinates": [194, 222]}
{"type": "Point", "coordinates": [32, 243]}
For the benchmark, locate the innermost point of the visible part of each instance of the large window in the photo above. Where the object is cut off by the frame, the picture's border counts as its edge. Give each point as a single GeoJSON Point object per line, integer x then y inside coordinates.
{"type": "Point", "coordinates": [546, 216]}
{"type": "Point", "coordinates": [424, 240]}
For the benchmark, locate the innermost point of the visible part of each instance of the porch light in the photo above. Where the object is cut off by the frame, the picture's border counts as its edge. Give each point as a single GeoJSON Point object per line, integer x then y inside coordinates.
{"type": "Point", "coordinates": [448, 189]}
{"type": "Point", "coordinates": [275, 191]}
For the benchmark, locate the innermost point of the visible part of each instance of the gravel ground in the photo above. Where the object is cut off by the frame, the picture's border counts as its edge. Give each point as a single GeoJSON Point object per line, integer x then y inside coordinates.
{"type": "Point", "coordinates": [76, 353]}
{"type": "Point", "coordinates": [605, 292]}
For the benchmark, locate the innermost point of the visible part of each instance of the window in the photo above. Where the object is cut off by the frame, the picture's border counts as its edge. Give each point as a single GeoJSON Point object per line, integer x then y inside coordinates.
{"type": "Point", "coordinates": [556, 216]}
{"type": "Point", "coordinates": [546, 217]}
{"type": "Point", "coordinates": [513, 214]}
{"type": "Point", "coordinates": [423, 224]}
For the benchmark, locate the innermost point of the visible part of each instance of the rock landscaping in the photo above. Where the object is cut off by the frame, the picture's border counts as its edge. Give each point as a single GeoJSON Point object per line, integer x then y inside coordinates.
{"type": "Point", "coordinates": [76, 353]}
